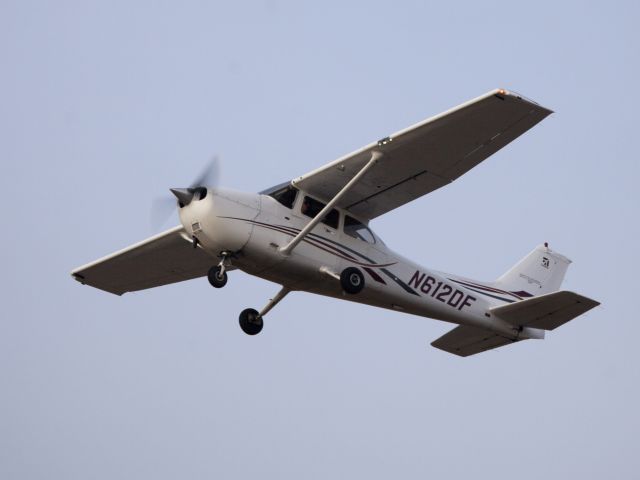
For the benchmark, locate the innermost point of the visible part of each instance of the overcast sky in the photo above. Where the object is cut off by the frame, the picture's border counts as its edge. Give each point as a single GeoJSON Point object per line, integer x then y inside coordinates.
{"type": "Point", "coordinates": [104, 106]}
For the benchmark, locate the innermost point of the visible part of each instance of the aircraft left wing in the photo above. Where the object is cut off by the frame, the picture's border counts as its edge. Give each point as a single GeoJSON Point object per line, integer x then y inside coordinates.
{"type": "Point", "coordinates": [160, 260]}
{"type": "Point", "coordinates": [425, 156]}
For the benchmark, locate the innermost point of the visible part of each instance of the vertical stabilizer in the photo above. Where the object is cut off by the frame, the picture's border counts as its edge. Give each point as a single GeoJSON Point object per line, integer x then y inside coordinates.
{"type": "Point", "coordinates": [540, 272]}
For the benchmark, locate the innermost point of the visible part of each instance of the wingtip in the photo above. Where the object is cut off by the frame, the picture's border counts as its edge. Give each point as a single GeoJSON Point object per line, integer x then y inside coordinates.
{"type": "Point", "coordinates": [511, 93]}
{"type": "Point", "coordinates": [77, 277]}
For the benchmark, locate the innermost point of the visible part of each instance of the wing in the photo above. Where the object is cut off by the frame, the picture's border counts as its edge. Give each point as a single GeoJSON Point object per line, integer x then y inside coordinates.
{"type": "Point", "coordinates": [426, 156]}
{"type": "Point", "coordinates": [465, 341]}
{"type": "Point", "coordinates": [166, 258]}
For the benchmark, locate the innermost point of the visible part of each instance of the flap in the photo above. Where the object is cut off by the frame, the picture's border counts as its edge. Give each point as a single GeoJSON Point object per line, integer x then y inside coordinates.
{"type": "Point", "coordinates": [426, 156]}
{"type": "Point", "coordinates": [166, 258]}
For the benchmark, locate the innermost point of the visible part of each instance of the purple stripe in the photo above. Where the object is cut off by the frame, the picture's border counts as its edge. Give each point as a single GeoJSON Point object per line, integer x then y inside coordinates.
{"type": "Point", "coordinates": [374, 275]}
{"type": "Point", "coordinates": [484, 287]}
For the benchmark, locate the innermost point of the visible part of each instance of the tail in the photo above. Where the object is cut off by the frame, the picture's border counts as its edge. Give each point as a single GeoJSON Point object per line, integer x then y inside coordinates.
{"type": "Point", "coordinates": [540, 272]}
{"type": "Point", "coordinates": [539, 276]}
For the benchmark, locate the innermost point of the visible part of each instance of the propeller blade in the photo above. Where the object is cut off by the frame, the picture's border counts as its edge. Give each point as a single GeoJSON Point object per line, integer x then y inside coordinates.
{"type": "Point", "coordinates": [161, 210]}
{"type": "Point", "coordinates": [209, 176]}
{"type": "Point", "coordinates": [163, 207]}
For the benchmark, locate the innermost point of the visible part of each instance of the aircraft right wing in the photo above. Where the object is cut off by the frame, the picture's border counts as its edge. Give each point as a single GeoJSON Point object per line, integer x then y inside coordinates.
{"type": "Point", "coordinates": [166, 258]}
{"type": "Point", "coordinates": [425, 156]}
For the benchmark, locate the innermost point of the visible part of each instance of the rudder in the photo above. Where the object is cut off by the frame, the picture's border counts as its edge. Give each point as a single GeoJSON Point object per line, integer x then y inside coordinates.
{"type": "Point", "coordinates": [540, 272]}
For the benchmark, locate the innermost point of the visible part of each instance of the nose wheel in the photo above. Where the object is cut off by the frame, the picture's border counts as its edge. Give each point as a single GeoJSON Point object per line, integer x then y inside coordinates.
{"type": "Point", "coordinates": [217, 276]}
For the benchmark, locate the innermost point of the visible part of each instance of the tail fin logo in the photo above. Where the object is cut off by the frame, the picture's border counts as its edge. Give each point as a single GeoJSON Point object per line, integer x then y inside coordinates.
{"type": "Point", "coordinates": [545, 262]}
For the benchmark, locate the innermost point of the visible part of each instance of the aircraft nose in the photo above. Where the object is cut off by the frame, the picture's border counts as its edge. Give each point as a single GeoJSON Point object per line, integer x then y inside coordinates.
{"type": "Point", "coordinates": [187, 195]}
{"type": "Point", "coordinates": [184, 195]}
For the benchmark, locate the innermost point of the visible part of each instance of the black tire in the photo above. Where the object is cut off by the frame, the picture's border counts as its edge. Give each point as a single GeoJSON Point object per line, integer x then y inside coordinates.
{"type": "Point", "coordinates": [215, 278]}
{"type": "Point", "coordinates": [250, 322]}
{"type": "Point", "coordinates": [352, 280]}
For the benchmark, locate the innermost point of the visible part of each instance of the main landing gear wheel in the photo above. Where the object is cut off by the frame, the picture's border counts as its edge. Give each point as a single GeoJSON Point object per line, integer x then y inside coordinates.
{"type": "Point", "coordinates": [217, 278]}
{"type": "Point", "coordinates": [352, 280]}
{"type": "Point", "coordinates": [251, 321]}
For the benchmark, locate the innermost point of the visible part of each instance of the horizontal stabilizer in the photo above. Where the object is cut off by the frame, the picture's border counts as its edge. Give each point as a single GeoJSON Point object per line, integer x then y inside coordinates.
{"type": "Point", "coordinates": [546, 311]}
{"type": "Point", "coordinates": [465, 341]}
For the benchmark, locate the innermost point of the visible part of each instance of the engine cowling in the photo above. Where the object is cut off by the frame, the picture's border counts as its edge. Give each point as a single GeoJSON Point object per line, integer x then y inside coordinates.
{"type": "Point", "coordinates": [219, 220]}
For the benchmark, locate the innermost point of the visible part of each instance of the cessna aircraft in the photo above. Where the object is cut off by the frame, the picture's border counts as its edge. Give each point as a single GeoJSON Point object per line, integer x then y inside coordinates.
{"type": "Point", "coordinates": [312, 234]}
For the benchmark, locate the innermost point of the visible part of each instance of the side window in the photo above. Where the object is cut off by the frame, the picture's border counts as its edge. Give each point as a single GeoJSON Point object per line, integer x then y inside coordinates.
{"type": "Point", "coordinates": [286, 196]}
{"type": "Point", "coordinates": [356, 229]}
{"type": "Point", "coordinates": [332, 219]}
{"type": "Point", "coordinates": [311, 208]}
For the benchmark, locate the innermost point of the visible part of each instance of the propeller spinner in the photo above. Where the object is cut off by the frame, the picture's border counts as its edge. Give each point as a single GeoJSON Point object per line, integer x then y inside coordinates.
{"type": "Point", "coordinates": [162, 207]}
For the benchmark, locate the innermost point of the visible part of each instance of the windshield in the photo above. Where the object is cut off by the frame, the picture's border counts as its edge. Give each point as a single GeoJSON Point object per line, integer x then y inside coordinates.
{"type": "Point", "coordinates": [359, 230]}
{"type": "Point", "coordinates": [286, 196]}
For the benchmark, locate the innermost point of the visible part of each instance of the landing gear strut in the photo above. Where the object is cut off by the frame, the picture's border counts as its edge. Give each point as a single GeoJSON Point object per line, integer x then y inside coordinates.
{"type": "Point", "coordinates": [218, 275]}
{"type": "Point", "coordinates": [251, 320]}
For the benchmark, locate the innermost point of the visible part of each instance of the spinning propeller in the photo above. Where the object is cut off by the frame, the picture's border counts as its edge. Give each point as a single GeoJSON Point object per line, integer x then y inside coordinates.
{"type": "Point", "coordinates": [162, 207]}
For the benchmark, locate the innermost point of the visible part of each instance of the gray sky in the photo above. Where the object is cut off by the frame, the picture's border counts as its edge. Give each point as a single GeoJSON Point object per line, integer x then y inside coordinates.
{"type": "Point", "coordinates": [104, 106]}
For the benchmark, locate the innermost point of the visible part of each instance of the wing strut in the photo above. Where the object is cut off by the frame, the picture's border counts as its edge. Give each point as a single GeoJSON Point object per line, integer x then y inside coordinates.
{"type": "Point", "coordinates": [286, 250]}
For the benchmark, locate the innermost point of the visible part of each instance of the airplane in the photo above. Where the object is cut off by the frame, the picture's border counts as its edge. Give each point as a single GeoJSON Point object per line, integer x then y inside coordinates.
{"type": "Point", "coordinates": [312, 234]}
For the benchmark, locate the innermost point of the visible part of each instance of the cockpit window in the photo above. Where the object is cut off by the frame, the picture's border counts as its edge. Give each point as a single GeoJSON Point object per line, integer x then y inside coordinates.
{"type": "Point", "coordinates": [286, 196]}
{"type": "Point", "coordinates": [311, 208]}
{"type": "Point", "coordinates": [356, 229]}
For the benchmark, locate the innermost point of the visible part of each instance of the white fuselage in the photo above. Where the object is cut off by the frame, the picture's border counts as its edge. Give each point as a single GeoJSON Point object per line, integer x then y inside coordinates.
{"type": "Point", "coordinates": [254, 227]}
